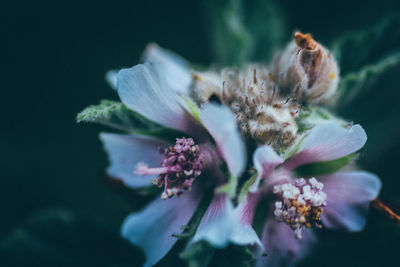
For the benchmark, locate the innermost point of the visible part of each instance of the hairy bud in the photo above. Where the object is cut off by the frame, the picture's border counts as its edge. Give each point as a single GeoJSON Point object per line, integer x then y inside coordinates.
{"type": "Point", "coordinates": [307, 71]}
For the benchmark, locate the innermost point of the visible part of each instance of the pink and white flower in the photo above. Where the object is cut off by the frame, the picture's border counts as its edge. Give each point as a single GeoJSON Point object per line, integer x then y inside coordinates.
{"type": "Point", "coordinates": [297, 203]}
{"type": "Point", "coordinates": [157, 90]}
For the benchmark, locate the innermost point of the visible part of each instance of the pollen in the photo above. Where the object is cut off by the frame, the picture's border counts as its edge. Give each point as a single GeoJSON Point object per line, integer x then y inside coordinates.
{"type": "Point", "coordinates": [300, 205]}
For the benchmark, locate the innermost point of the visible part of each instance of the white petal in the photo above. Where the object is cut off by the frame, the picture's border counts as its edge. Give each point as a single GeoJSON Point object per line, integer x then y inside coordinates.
{"type": "Point", "coordinates": [328, 141]}
{"type": "Point", "coordinates": [265, 160]}
{"type": "Point", "coordinates": [172, 68]}
{"type": "Point", "coordinates": [126, 151]}
{"type": "Point", "coordinates": [152, 228]}
{"type": "Point", "coordinates": [142, 90]}
{"type": "Point", "coordinates": [221, 124]}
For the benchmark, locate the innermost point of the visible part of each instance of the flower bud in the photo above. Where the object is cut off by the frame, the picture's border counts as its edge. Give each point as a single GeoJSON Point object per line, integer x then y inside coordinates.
{"type": "Point", "coordinates": [307, 71]}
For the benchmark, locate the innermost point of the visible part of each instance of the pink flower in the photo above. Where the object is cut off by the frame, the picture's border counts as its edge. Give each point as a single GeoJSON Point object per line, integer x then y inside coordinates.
{"type": "Point", "coordinates": [157, 90]}
{"type": "Point", "coordinates": [297, 204]}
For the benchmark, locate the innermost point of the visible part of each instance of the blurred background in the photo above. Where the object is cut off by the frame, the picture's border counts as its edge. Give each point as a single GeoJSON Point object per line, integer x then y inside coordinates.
{"type": "Point", "coordinates": [57, 208]}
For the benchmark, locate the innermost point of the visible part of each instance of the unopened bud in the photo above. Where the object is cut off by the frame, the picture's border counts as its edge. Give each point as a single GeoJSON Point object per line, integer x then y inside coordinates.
{"type": "Point", "coordinates": [307, 71]}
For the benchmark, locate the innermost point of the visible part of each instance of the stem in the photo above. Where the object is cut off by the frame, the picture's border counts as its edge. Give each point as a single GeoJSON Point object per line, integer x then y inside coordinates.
{"type": "Point", "coordinates": [385, 210]}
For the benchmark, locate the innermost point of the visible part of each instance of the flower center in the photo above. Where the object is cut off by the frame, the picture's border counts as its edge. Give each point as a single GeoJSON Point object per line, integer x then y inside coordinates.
{"type": "Point", "coordinates": [261, 112]}
{"type": "Point", "coordinates": [182, 163]}
{"type": "Point", "coordinates": [301, 205]}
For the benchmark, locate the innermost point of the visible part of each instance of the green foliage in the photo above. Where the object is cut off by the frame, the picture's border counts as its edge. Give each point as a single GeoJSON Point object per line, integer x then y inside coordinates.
{"type": "Point", "coordinates": [190, 229]}
{"type": "Point", "coordinates": [62, 238]}
{"type": "Point", "coordinates": [267, 25]}
{"type": "Point", "coordinates": [198, 254]}
{"type": "Point", "coordinates": [357, 83]}
{"type": "Point", "coordinates": [355, 50]}
{"type": "Point", "coordinates": [115, 115]}
{"type": "Point", "coordinates": [365, 56]}
{"type": "Point", "coordinates": [202, 254]}
{"type": "Point", "coordinates": [324, 167]}
{"type": "Point", "coordinates": [243, 31]}
{"type": "Point", "coordinates": [118, 116]}
{"type": "Point", "coordinates": [230, 40]}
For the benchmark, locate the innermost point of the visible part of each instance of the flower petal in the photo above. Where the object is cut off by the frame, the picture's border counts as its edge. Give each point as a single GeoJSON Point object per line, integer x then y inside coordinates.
{"type": "Point", "coordinates": [243, 233]}
{"type": "Point", "coordinates": [172, 68]}
{"type": "Point", "coordinates": [222, 224]}
{"type": "Point", "coordinates": [126, 151]}
{"type": "Point", "coordinates": [349, 195]}
{"type": "Point", "coordinates": [142, 90]}
{"type": "Point", "coordinates": [265, 160]}
{"type": "Point", "coordinates": [221, 124]}
{"type": "Point", "coordinates": [152, 228]}
{"type": "Point", "coordinates": [111, 78]}
{"type": "Point", "coordinates": [215, 226]}
{"type": "Point", "coordinates": [328, 141]}
{"type": "Point", "coordinates": [281, 246]}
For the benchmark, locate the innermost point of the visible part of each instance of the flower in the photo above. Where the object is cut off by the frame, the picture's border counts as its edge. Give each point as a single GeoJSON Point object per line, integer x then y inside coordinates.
{"type": "Point", "coordinates": [339, 199]}
{"type": "Point", "coordinates": [158, 90]}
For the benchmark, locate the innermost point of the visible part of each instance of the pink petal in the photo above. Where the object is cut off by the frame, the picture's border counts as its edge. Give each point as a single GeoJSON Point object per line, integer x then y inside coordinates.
{"type": "Point", "coordinates": [222, 224]}
{"type": "Point", "coordinates": [142, 90]}
{"type": "Point", "coordinates": [152, 228]}
{"type": "Point", "coordinates": [349, 195]}
{"type": "Point", "coordinates": [265, 160]}
{"type": "Point", "coordinates": [172, 68]}
{"type": "Point", "coordinates": [281, 247]}
{"type": "Point", "coordinates": [328, 141]}
{"type": "Point", "coordinates": [221, 124]}
{"type": "Point", "coordinates": [126, 151]}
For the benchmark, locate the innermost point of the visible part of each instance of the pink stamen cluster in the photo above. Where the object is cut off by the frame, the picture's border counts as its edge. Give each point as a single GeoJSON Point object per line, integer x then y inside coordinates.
{"type": "Point", "coordinates": [179, 168]}
{"type": "Point", "coordinates": [301, 205]}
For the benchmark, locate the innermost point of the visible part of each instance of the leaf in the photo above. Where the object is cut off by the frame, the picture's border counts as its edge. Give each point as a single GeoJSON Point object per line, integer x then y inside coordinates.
{"type": "Point", "coordinates": [62, 238]}
{"type": "Point", "coordinates": [230, 187]}
{"type": "Point", "coordinates": [356, 83]}
{"type": "Point", "coordinates": [324, 167]}
{"type": "Point", "coordinates": [267, 25]}
{"type": "Point", "coordinates": [230, 40]}
{"type": "Point", "coordinates": [115, 115]}
{"type": "Point", "coordinates": [245, 188]}
{"type": "Point", "coordinates": [119, 116]}
{"type": "Point", "coordinates": [190, 229]}
{"type": "Point", "coordinates": [354, 50]}
{"type": "Point", "coordinates": [194, 110]}
{"type": "Point", "coordinates": [198, 254]}
{"type": "Point", "coordinates": [233, 256]}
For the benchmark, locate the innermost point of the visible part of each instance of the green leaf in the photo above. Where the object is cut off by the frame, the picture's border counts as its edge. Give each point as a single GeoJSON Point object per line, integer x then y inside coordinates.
{"type": "Point", "coordinates": [233, 256]}
{"type": "Point", "coordinates": [190, 229]}
{"type": "Point", "coordinates": [193, 108]}
{"type": "Point", "coordinates": [356, 83]}
{"type": "Point", "coordinates": [198, 254]}
{"type": "Point", "coordinates": [230, 40]}
{"type": "Point", "coordinates": [115, 115]}
{"type": "Point", "coordinates": [230, 187]}
{"type": "Point", "coordinates": [354, 50]}
{"type": "Point", "coordinates": [245, 188]}
{"type": "Point", "coordinates": [267, 25]}
{"type": "Point", "coordinates": [324, 167]}
{"type": "Point", "coordinates": [119, 116]}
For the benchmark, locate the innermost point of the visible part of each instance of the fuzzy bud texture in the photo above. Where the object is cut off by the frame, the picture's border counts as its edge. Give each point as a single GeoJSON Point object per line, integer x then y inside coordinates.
{"type": "Point", "coordinates": [307, 71]}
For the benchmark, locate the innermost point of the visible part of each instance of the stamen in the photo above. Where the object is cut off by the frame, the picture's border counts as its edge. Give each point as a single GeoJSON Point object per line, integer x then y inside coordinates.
{"type": "Point", "coordinates": [181, 165]}
{"type": "Point", "coordinates": [301, 204]}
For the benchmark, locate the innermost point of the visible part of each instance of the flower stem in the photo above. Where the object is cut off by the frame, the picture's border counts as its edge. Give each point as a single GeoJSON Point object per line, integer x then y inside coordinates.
{"type": "Point", "coordinates": [385, 210]}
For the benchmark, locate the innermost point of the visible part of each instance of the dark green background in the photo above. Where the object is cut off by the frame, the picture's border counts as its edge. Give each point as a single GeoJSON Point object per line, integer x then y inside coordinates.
{"type": "Point", "coordinates": [57, 208]}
